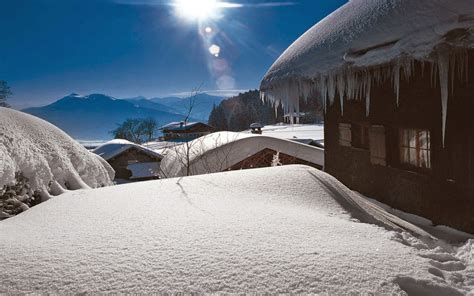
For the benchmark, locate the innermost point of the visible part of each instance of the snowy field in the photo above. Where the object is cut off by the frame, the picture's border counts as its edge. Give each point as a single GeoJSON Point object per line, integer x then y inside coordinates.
{"type": "Point", "coordinates": [294, 131]}
{"type": "Point", "coordinates": [288, 229]}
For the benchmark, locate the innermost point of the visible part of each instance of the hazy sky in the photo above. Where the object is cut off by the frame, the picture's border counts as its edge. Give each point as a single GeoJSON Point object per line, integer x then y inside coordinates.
{"type": "Point", "coordinates": [126, 48]}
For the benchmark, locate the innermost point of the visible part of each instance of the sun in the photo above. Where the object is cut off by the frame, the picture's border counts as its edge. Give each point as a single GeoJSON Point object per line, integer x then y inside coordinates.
{"type": "Point", "coordinates": [196, 9]}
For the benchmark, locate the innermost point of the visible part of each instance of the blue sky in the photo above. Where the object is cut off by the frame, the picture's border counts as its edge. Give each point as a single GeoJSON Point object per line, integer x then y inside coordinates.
{"type": "Point", "coordinates": [126, 48]}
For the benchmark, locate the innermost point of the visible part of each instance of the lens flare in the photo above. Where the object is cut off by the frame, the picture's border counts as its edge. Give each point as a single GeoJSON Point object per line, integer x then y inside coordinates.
{"type": "Point", "coordinates": [215, 50]}
{"type": "Point", "coordinates": [196, 9]}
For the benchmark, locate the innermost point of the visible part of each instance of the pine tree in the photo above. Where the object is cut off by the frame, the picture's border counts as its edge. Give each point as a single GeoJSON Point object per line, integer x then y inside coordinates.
{"type": "Point", "coordinates": [5, 92]}
{"type": "Point", "coordinates": [218, 119]}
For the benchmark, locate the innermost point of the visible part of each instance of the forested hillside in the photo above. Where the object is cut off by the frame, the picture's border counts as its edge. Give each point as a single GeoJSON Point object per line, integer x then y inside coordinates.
{"type": "Point", "coordinates": [237, 113]}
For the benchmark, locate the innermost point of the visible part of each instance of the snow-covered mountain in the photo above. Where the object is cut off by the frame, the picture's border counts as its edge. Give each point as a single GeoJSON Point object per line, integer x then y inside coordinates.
{"type": "Point", "coordinates": [202, 107]}
{"type": "Point", "coordinates": [92, 117]}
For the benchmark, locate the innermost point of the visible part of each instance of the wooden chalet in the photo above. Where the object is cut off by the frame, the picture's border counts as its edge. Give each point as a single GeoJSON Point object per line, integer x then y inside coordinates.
{"type": "Point", "coordinates": [185, 131]}
{"type": "Point", "coordinates": [398, 94]}
{"type": "Point", "coordinates": [131, 162]}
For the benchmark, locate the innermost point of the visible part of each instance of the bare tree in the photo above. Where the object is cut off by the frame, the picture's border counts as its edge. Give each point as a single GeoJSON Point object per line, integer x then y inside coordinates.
{"type": "Point", "coordinates": [149, 126]}
{"type": "Point", "coordinates": [187, 139]}
{"type": "Point", "coordinates": [136, 130]}
{"type": "Point", "coordinates": [5, 92]}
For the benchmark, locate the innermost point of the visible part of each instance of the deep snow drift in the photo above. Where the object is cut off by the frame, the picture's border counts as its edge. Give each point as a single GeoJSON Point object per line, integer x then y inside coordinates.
{"type": "Point", "coordinates": [48, 158]}
{"type": "Point", "coordinates": [289, 229]}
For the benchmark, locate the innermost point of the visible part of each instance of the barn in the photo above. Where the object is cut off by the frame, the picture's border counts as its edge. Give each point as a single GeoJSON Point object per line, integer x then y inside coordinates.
{"type": "Point", "coordinates": [131, 162]}
{"type": "Point", "coordinates": [397, 82]}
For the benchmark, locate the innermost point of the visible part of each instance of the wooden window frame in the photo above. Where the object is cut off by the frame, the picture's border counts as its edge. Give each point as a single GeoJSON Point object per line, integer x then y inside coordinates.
{"type": "Point", "coordinates": [414, 165]}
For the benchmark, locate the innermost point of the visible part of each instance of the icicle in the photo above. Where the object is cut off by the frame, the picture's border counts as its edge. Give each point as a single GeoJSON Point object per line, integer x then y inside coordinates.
{"type": "Point", "coordinates": [443, 65]}
{"type": "Point", "coordinates": [367, 95]}
{"type": "Point", "coordinates": [323, 87]}
{"type": "Point", "coordinates": [396, 81]}
{"type": "Point", "coordinates": [341, 89]}
{"type": "Point", "coordinates": [331, 85]}
{"type": "Point", "coordinates": [452, 65]}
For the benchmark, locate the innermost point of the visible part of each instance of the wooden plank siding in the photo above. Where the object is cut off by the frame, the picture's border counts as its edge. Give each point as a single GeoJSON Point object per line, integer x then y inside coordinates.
{"type": "Point", "coordinates": [444, 192]}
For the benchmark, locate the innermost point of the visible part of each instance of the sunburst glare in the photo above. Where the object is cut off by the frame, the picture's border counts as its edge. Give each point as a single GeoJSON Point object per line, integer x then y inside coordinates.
{"type": "Point", "coordinates": [196, 9]}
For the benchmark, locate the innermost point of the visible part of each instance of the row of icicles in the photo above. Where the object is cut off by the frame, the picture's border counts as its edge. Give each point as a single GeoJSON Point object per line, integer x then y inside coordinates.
{"type": "Point", "coordinates": [356, 84]}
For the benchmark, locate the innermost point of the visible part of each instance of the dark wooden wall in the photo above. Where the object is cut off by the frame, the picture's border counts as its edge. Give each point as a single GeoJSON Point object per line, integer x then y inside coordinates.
{"type": "Point", "coordinates": [444, 194]}
{"type": "Point", "coordinates": [121, 161]}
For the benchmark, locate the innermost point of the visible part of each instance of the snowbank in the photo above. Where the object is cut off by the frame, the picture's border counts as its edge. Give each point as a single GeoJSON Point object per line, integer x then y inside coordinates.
{"type": "Point", "coordinates": [297, 232]}
{"type": "Point", "coordinates": [294, 131]}
{"type": "Point", "coordinates": [369, 41]}
{"type": "Point", "coordinates": [219, 151]}
{"type": "Point", "coordinates": [49, 159]}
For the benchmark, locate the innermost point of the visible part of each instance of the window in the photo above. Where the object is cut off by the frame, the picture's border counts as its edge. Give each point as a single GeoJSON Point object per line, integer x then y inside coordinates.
{"type": "Point", "coordinates": [415, 147]}
{"type": "Point", "coordinates": [360, 135]}
{"type": "Point", "coordinates": [345, 134]}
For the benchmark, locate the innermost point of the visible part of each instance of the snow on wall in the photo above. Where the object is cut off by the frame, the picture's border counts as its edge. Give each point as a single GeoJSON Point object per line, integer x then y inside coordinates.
{"type": "Point", "coordinates": [219, 151]}
{"type": "Point", "coordinates": [366, 42]}
{"type": "Point", "coordinates": [48, 157]}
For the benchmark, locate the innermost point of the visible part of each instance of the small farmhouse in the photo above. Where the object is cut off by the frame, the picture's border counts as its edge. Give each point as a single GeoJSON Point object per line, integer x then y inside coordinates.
{"type": "Point", "coordinates": [397, 82]}
{"type": "Point", "coordinates": [131, 162]}
{"type": "Point", "coordinates": [226, 151]}
{"type": "Point", "coordinates": [185, 131]}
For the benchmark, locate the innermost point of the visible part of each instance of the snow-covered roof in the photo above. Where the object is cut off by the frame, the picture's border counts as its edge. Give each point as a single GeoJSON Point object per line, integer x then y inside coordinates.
{"type": "Point", "coordinates": [51, 160]}
{"type": "Point", "coordinates": [299, 232]}
{"type": "Point", "coordinates": [116, 147]}
{"type": "Point", "coordinates": [219, 151]}
{"type": "Point", "coordinates": [180, 126]}
{"type": "Point", "coordinates": [365, 34]}
{"type": "Point", "coordinates": [256, 125]}
{"type": "Point", "coordinates": [161, 147]}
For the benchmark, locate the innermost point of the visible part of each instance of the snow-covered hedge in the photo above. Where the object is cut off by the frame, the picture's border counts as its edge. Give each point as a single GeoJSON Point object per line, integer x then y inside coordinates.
{"type": "Point", "coordinates": [38, 160]}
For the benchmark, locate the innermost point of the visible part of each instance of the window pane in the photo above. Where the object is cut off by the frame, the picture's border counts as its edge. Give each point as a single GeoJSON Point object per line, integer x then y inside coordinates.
{"type": "Point", "coordinates": [415, 147]}
{"type": "Point", "coordinates": [413, 157]}
{"type": "Point", "coordinates": [424, 158]}
{"type": "Point", "coordinates": [423, 139]}
{"type": "Point", "coordinates": [412, 138]}
{"type": "Point", "coordinates": [404, 155]}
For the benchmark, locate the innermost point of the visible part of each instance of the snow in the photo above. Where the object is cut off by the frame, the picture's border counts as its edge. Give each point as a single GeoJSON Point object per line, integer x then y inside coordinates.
{"type": "Point", "coordinates": [440, 231]}
{"type": "Point", "coordinates": [178, 126]}
{"type": "Point", "coordinates": [161, 147]}
{"type": "Point", "coordinates": [115, 147]}
{"type": "Point", "coordinates": [144, 170]}
{"type": "Point", "coordinates": [300, 231]}
{"type": "Point", "coordinates": [294, 131]}
{"type": "Point", "coordinates": [219, 151]}
{"type": "Point", "coordinates": [50, 160]}
{"type": "Point", "coordinates": [366, 42]}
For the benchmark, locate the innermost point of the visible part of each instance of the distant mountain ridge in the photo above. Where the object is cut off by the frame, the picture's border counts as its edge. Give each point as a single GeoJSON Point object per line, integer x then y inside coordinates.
{"type": "Point", "coordinates": [202, 106]}
{"type": "Point", "coordinates": [92, 117]}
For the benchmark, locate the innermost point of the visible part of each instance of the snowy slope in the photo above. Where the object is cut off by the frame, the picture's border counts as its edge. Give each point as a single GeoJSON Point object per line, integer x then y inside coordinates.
{"type": "Point", "coordinates": [50, 160]}
{"type": "Point", "coordinates": [227, 232]}
{"type": "Point", "coordinates": [294, 131]}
